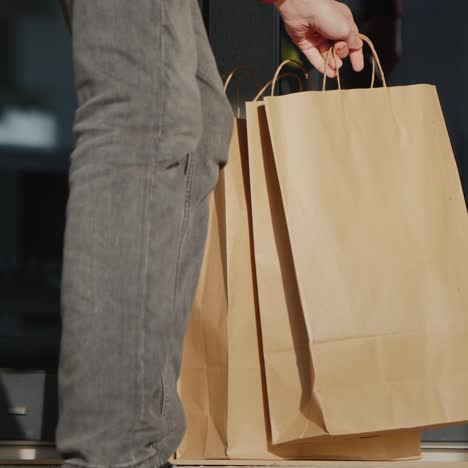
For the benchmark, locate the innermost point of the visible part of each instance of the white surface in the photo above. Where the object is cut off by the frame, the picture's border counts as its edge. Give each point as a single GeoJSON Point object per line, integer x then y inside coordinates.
{"type": "Point", "coordinates": [28, 128]}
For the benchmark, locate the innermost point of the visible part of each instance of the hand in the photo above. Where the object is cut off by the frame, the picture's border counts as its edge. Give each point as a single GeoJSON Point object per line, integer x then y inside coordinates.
{"type": "Point", "coordinates": [317, 25]}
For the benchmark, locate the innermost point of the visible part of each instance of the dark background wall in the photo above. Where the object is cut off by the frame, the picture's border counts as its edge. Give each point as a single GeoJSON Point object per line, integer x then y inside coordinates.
{"type": "Point", "coordinates": [36, 115]}
{"type": "Point", "coordinates": [434, 40]}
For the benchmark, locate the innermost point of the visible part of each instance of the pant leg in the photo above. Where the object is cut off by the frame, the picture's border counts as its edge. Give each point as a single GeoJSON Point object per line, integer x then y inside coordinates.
{"type": "Point", "coordinates": [136, 225]}
{"type": "Point", "coordinates": [210, 155]}
{"type": "Point", "coordinates": [206, 161]}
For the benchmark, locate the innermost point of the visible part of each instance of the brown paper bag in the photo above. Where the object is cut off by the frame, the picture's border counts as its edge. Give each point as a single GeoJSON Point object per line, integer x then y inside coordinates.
{"type": "Point", "coordinates": [288, 367]}
{"type": "Point", "coordinates": [378, 232]}
{"type": "Point", "coordinates": [293, 412]}
{"type": "Point", "coordinates": [203, 380]}
{"type": "Point", "coordinates": [222, 384]}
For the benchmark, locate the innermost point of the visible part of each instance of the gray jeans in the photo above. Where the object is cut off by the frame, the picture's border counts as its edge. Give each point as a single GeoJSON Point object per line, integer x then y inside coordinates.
{"type": "Point", "coordinates": [152, 131]}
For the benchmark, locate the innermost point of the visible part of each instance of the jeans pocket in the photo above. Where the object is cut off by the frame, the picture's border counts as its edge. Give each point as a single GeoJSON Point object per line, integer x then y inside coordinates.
{"type": "Point", "coordinates": [189, 169]}
{"type": "Point", "coordinates": [163, 394]}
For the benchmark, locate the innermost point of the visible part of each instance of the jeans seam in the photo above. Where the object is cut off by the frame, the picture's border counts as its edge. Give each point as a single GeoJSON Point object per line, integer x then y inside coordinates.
{"type": "Point", "coordinates": [188, 196]}
{"type": "Point", "coordinates": [145, 243]}
{"type": "Point", "coordinates": [140, 376]}
{"type": "Point", "coordinates": [163, 389]}
{"type": "Point", "coordinates": [161, 79]}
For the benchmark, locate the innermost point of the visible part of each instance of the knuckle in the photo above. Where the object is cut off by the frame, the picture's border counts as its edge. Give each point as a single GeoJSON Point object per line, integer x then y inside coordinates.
{"type": "Point", "coordinates": [347, 28]}
{"type": "Point", "coordinates": [347, 11]}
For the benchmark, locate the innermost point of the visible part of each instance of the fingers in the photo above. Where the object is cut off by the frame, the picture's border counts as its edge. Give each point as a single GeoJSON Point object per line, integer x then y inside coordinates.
{"type": "Point", "coordinates": [354, 52]}
{"type": "Point", "coordinates": [334, 63]}
{"type": "Point", "coordinates": [352, 47]}
{"type": "Point", "coordinates": [315, 25]}
{"type": "Point", "coordinates": [357, 60]}
{"type": "Point", "coordinates": [341, 49]}
{"type": "Point", "coordinates": [317, 59]}
{"type": "Point", "coordinates": [316, 49]}
{"type": "Point", "coordinates": [355, 46]}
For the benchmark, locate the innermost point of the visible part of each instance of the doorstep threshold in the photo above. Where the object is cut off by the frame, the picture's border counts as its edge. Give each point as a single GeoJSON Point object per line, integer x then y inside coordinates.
{"type": "Point", "coordinates": [455, 454]}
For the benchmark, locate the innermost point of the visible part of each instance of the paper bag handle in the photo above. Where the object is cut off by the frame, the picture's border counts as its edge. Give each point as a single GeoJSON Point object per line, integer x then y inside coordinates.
{"type": "Point", "coordinates": [375, 60]}
{"type": "Point", "coordinates": [234, 75]}
{"type": "Point", "coordinates": [327, 60]}
{"type": "Point", "coordinates": [237, 71]}
{"type": "Point", "coordinates": [238, 93]}
{"type": "Point", "coordinates": [278, 71]}
{"type": "Point", "coordinates": [283, 75]}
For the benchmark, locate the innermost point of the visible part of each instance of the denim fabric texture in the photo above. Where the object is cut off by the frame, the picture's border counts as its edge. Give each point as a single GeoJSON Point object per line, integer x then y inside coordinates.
{"type": "Point", "coordinates": [152, 131]}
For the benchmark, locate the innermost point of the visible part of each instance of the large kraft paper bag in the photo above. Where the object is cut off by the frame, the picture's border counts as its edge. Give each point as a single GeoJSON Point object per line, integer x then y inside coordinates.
{"type": "Point", "coordinates": [222, 383]}
{"type": "Point", "coordinates": [293, 413]}
{"type": "Point", "coordinates": [378, 231]}
{"type": "Point", "coordinates": [203, 382]}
